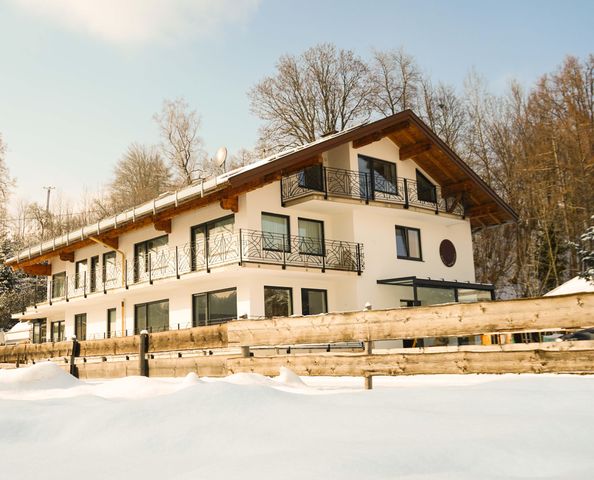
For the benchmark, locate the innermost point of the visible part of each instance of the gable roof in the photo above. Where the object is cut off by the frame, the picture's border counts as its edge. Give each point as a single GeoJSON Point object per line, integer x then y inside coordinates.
{"type": "Point", "coordinates": [414, 139]}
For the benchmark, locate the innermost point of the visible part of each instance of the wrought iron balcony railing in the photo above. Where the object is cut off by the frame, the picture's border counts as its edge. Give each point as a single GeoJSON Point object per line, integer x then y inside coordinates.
{"type": "Point", "coordinates": [244, 246]}
{"type": "Point", "coordinates": [337, 182]}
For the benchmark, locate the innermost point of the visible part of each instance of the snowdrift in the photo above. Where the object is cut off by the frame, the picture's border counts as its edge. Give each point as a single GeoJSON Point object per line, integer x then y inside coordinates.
{"type": "Point", "coordinates": [252, 427]}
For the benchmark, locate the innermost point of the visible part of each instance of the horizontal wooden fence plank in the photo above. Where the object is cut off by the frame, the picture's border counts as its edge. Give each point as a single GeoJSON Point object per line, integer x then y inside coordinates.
{"type": "Point", "coordinates": [459, 319]}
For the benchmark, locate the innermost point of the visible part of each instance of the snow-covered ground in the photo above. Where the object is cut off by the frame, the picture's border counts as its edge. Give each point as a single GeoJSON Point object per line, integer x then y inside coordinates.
{"type": "Point", "coordinates": [53, 426]}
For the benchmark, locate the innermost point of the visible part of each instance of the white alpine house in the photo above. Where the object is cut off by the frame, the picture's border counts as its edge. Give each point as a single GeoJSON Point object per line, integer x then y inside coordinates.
{"type": "Point", "coordinates": [379, 214]}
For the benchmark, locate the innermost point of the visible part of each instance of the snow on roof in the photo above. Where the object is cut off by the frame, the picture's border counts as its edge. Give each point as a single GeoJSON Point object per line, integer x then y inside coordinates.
{"type": "Point", "coordinates": [575, 285]}
{"type": "Point", "coordinates": [167, 199]}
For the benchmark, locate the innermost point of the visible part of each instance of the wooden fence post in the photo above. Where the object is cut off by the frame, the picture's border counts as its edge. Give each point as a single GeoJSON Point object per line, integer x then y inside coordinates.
{"type": "Point", "coordinates": [368, 378]}
{"type": "Point", "coordinates": [73, 354]}
{"type": "Point", "coordinates": [245, 352]}
{"type": "Point", "coordinates": [142, 360]}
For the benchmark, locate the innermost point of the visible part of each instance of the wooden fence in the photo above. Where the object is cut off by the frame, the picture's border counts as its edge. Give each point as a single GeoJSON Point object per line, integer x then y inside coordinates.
{"type": "Point", "coordinates": [262, 346]}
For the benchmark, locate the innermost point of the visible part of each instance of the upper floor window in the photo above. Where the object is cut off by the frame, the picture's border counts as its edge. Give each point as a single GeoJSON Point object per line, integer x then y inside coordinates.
{"type": "Point", "coordinates": [378, 176]}
{"type": "Point", "coordinates": [93, 273]}
{"type": "Point", "coordinates": [80, 274]}
{"type": "Point", "coordinates": [311, 237]}
{"type": "Point", "coordinates": [58, 285]}
{"type": "Point", "coordinates": [312, 178]}
{"type": "Point", "coordinates": [426, 191]}
{"type": "Point", "coordinates": [109, 268]}
{"type": "Point", "coordinates": [150, 255]}
{"type": "Point", "coordinates": [276, 232]}
{"type": "Point", "coordinates": [408, 243]}
{"type": "Point", "coordinates": [217, 232]}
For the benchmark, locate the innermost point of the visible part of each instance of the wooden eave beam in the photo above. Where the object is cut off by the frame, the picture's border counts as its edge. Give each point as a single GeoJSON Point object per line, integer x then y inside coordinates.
{"type": "Point", "coordinates": [162, 225]}
{"type": "Point", "coordinates": [456, 188]}
{"type": "Point", "coordinates": [67, 256]}
{"type": "Point", "coordinates": [410, 151]}
{"type": "Point", "coordinates": [377, 136]}
{"type": "Point", "coordinates": [44, 269]}
{"type": "Point", "coordinates": [482, 210]}
{"type": "Point", "coordinates": [230, 203]}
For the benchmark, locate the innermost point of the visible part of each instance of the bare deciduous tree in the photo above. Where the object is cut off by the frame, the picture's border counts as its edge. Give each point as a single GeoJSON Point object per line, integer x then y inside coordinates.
{"type": "Point", "coordinates": [140, 175]}
{"type": "Point", "coordinates": [395, 78]}
{"type": "Point", "coordinates": [318, 92]}
{"type": "Point", "coordinates": [181, 145]}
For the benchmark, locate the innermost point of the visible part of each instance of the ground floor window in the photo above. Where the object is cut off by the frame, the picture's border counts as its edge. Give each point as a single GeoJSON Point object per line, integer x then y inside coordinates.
{"type": "Point", "coordinates": [111, 322]}
{"type": "Point", "coordinates": [39, 334]}
{"type": "Point", "coordinates": [278, 301]}
{"type": "Point", "coordinates": [212, 308]}
{"type": "Point", "coordinates": [314, 301]}
{"type": "Point", "coordinates": [151, 316]}
{"type": "Point", "coordinates": [80, 326]}
{"type": "Point", "coordinates": [58, 331]}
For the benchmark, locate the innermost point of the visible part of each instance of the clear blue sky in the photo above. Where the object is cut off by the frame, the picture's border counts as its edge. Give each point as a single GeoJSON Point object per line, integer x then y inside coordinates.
{"type": "Point", "coordinates": [80, 80]}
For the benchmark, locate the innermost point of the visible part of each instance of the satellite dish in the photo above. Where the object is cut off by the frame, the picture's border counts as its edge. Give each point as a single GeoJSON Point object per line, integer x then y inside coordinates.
{"type": "Point", "coordinates": [221, 156]}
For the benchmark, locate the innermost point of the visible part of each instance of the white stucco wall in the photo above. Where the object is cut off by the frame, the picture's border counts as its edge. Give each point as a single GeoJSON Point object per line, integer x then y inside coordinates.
{"type": "Point", "coordinates": [372, 225]}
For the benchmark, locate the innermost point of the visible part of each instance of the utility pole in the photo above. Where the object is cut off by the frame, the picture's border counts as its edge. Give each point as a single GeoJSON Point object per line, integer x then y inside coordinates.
{"type": "Point", "coordinates": [47, 201]}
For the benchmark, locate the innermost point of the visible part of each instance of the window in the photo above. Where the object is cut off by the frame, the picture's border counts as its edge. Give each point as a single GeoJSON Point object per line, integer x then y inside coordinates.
{"type": "Point", "coordinates": [150, 252]}
{"type": "Point", "coordinates": [278, 301]}
{"type": "Point", "coordinates": [213, 231]}
{"type": "Point", "coordinates": [378, 176]}
{"type": "Point", "coordinates": [111, 322]}
{"type": "Point", "coordinates": [80, 326]}
{"type": "Point", "coordinates": [312, 178]}
{"type": "Point", "coordinates": [80, 275]}
{"type": "Point", "coordinates": [408, 243]}
{"type": "Point", "coordinates": [426, 191]}
{"type": "Point", "coordinates": [109, 272]}
{"type": "Point", "coordinates": [93, 273]}
{"type": "Point", "coordinates": [314, 301]}
{"type": "Point", "coordinates": [58, 331]}
{"type": "Point", "coordinates": [39, 333]}
{"type": "Point", "coordinates": [59, 285]}
{"type": "Point", "coordinates": [311, 237]}
{"type": "Point", "coordinates": [216, 307]}
{"type": "Point", "coordinates": [151, 316]}
{"type": "Point", "coordinates": [276, 232]}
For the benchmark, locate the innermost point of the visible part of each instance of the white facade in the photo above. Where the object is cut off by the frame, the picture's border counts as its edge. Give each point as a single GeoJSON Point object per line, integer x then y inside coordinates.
{"type": "Point", "coordinates": [353, 223]}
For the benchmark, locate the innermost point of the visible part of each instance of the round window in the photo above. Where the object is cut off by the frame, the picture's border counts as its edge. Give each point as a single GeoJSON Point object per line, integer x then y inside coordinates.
{"type": "Point", "coordinates": [447, 252]}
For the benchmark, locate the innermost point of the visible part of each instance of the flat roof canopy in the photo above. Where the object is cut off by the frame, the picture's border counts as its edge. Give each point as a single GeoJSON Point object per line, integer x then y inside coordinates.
{"type": "Point", "coordinates": [434, 283]}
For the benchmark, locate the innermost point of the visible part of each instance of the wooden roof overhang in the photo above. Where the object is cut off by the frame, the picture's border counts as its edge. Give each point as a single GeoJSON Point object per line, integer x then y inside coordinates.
{"type": "Point", "coordinates": [414, 139]}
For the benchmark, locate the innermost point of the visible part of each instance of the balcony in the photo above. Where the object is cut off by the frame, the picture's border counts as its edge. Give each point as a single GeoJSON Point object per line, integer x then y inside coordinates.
{"type": "Point", "coordinates": [317, 181]}
{"type": "Point", "coordinates": [242, 247]}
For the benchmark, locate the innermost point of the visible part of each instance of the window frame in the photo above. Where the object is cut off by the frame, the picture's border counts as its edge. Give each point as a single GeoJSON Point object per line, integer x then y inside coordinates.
{"type": "Point", "coordinates": [94, 263]}
{"type": "Point", "coordinates": [323, 239]}
{"type": "Point", "coordinates": [145, 266]}
{"type": "Point", "coordinates": [287, 246]}
{"type": "Point", "coordinates": [146, 305]}
{"type": "Point", "coordinates": [371, 179]}
{"type": "Point", "coordinates": [291, 300]}
{"type": "Point", "coordinates": [61, 329]}
{"type": "Point", "coordinates": [205, 226]}
{"type": "Point", "coordinates": [322, 290]}
{"type": "Point", "coordinates": [424, 178]}
{"type": "Point", "coordinates": [406, 240]}
{"type": "Point", "coordinates": [78, 318]}
{"type": "Point", "coordinates": [64, 286]}
{"type": "Point", "coordinates": [207, 295]}
{"type": "Point", "coordinates": [104, 266]}
{"type": "Point", "coordinates": [109, 333]}
{"type": "Point", "coordinates": [37, 329]}
{"type": "Point", "coordinates": [78, 282]}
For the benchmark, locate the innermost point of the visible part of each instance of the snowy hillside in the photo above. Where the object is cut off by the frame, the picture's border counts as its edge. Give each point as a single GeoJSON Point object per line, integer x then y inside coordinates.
{"type": "Point", "coordinates": [54, 426]}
